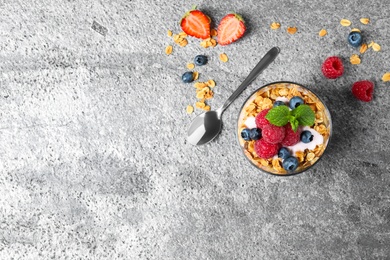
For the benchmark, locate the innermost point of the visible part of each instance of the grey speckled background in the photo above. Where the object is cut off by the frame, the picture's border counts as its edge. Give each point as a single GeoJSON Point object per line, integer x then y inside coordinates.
{"type": "Point", "coordinates": [94, 162]}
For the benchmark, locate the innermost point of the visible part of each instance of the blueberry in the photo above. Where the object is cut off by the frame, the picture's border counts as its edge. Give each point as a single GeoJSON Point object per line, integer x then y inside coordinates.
{"type": "Point", "coordinates": [245, 134]}
{"type": "Point", "coordinates": [279, 103]}
{"type": "Point", "coordinates": [255, 134]}
{"type": "Point", "coordinates": [200, 60]}
{"type": "Point", "coordinates": [283, 153]}
{"type": "Point", "coordinates": [188, 77]}
{"type": "Point", "coordinates": [355, 39]}
{"type": "Point", "coordinates": [290, 164]}
{"type": "Point", "coordinates": [306, 136]}
{"type": "Point", "coordinates": [296, 101]}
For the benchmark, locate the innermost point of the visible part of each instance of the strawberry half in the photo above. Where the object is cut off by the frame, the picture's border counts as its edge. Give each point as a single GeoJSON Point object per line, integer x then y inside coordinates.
{"type": "Point", "coordinates": [196, 24]}
{"type": "Point", "coordinates": [230, 29]}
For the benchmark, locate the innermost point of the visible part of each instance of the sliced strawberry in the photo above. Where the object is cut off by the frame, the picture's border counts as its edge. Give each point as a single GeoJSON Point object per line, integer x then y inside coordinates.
{"type": "Point", "coordinates": [196, 24]}
{"type": "Point", "coordinates": [230, 29]}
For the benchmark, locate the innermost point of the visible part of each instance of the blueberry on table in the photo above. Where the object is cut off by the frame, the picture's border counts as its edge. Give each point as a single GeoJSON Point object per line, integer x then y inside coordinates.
{"type": "Point", "coordinates": [355, 39]}
{"type": "Point", "coordinates": [255, 134]}
{"type": "Point", "coordinates": [290, 164]}
{"type": "Point", "coordinates": [283, 153]}
{"type": "Point", "coordinates": [306, 137]}
{"type": "Point", "coordinates": [278, 103]}
{"type": "Point", "coordinates": [188, 77]}
{"type": "Point", "coordinates": [200, 60]}
{"type": "Point", "coordinates": [295, 102]}
{"type": "Point", "coordinates": [245, 134]}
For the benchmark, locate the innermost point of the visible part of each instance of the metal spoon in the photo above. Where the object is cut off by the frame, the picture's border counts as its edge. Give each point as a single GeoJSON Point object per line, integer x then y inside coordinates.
{"type": "Point", "coordinates": [207, 126]}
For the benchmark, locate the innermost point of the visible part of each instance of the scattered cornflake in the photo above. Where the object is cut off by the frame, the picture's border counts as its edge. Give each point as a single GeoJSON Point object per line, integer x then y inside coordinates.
{"type": "Point", "coordinates": [190, 66]}
{"type": "Point", "coordinates": [363, 48]}
{"type": "Point", "coordinates": [210, 42]}
{"type": "Point", "coordinates": [355, 30]}
{"type": "Point", "coordinates": [168, 49]}
{"type": "Point", "coordinates": [322, 33]}
{"type": "Point", "coordinates": [376, 47]}
{"type": "Point", "coordinates": [200, 104]}
{"type": "Point", "coordinates": [223, 57]}
{"type": "Point", "coordinates": [345, 22]}
{"type": "Point", "coordinates": [190, 109]}
{"type": "Point", "coordinates": [200, 85]}
{"type": "Point", "coordinates": [370, 44]}
{"type": "Point", "coordinates": [183, 43]}
{"type": "Point", "coordinates": [355, 59]}
{"type": "Point", "coordinates": [176, 37]}
{"type": "Point", "coordinates": [210, 83]}
{"type": "Point", "coordinates": [386, 77]}
{"type": "Point", "coordinates": [292, 30]}
{"type": "Point", "coordinates": [183, 34]}
{"type": "Point", "coordinates": [169, 33]}
{"type": "Point", "coordinates": [207, 108]}
{"type": "Point", "coordinates": [365, 20]}
{"type": "Point", "coordinates": [196, 75]}
{"type": "Point", "coordinates": [275, 26]}
{"type": "Point", "coordinates": [213, 32]}
{"type": "Point", "coordinates": [213, 42]}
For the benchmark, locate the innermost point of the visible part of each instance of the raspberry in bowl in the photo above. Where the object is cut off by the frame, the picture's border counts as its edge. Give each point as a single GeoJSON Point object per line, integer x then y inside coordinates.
{"type": "Point", "coordinates": [292, 128]}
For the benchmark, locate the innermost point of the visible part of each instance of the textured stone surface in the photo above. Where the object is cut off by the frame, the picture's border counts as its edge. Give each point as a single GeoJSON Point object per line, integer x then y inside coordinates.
{"type": "Point", "coordinates": [94, 162]}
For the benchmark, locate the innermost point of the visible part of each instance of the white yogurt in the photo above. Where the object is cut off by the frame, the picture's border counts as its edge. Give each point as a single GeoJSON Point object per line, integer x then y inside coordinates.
{"type": "Point", "coordinates": [301, 146]}
{"type": "Point", "coordinates": [250, 122]}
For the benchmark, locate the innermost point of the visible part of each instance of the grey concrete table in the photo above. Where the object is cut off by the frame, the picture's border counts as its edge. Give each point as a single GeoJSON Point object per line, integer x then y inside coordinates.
{"type": "Point", "coordinates": [94, 162]}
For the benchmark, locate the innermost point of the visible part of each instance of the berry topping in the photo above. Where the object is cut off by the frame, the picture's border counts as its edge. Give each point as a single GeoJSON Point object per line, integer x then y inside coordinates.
{"type": "Point", "coordinates": [291, 137]}
{"type": "Point", "coordinates": [261, 121]}
{"type": "Point", "coordinates": [332, 67]}
{"type": "Point", "coordinates": [255, 133]}
{"type": "Point", "coordinates": [266, 150]}
{"type": "Point", "coordinates": [200, 60]}
{"type": "Point", "coordinates": [278, 103]}
{"type": "Point", "coordinates": [230, 29]}
{"type": "Point", "coordinates": [245, 134]}
{"type": "Point", "coordinates": [295, 102]}
{"type": "Point", "coordinates": [363, 90]}
{"type": "Point", "coordinates": [355, 39]}
{"type": "Point", "coordinates": [290, 164]}
{"type": "Point", "coordinates": [188, 77]}
{"type": "Point", "coordinates": [306, 136]}
{"type": "Point", "coordinates": [283, 153]}
{"type": "Point", "coordinates": [273, 134]}
{"type": "Point", "coordinates": [196, 24]}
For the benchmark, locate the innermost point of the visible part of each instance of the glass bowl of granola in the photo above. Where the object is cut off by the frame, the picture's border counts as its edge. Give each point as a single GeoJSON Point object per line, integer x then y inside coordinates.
{"type": "Point", "coordinates": [284, 128]}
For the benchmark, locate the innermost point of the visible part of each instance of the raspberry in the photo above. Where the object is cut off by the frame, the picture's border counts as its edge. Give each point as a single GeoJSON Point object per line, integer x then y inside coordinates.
{"type": "Point", "coordinates": [261, 121]}
{"type": "Point", "coordinates": [291, 137]}
{"type": "Point", "coordinates": [266, 150]}
{"type": "Point", "coordinates": [273, 134]}
{"type": "Point", "coordinates": [332, 67]}
{"type": "Point", "coordinates": [363, 90]}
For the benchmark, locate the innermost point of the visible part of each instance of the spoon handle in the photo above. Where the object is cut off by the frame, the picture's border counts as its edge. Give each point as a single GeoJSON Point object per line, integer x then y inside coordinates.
{"type": "Point", "coordinates": [263, 63]}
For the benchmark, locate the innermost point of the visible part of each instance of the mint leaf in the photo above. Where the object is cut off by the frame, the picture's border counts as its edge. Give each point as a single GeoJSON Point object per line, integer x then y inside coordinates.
{"type": "Point", "coordinates": [294, 123]}
{"type": "Point", "coordinates": [304, 114]}
{"type": "Point", "coordinates": [278, 115]}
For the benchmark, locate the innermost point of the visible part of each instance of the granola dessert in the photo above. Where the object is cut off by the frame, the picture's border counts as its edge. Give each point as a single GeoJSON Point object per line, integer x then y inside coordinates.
{"type": "Point", "coordinates": [283, 128]}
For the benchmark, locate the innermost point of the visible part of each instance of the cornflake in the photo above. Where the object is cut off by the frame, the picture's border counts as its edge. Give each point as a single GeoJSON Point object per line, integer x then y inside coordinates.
{"type": "Point", "coordinates": [190, 109]}
{"type": "Point", "coordinates": [345, 22]}
{"type": "Point", "coordinates": [223, 57]}
{"type": "Point", "coordinates": [370, 44]}
{"type": "Point", "coordinates": [292, 30]}
{"type": "Point", "coordinates": [210, 83]}
{"type": "Point", "coordinates": [376, 47]}
{"type": "Point", "coordinates": [322, 33]}
{"type": "Point", "coordinates": [363, 48]}
{"type": "Point", "coordinates": [169, 33]}
{"type": "Point", "coordinates": [355, 59]}
{"type": "Point", "coordinates": [355, 30]}
{"type": "Point", "coordinates": [213, 32]}
{"type": "Point", "coordinates": [386, 77]}
{"type": "Point", "coordinates": [190, 66]}
{"type": "Point", "coordinates": [275, 26]}
{"type": "Point", "coordinates": [365, 20]}
{"type": "Point", "coordinates": [168, 49]}
{"type": "Point", "coordinates": [196, 75]}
